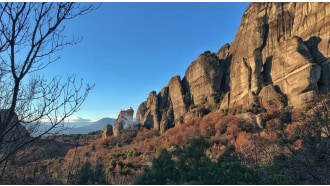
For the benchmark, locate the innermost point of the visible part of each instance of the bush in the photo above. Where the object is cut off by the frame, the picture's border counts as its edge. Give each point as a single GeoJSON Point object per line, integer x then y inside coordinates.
{"type": "Point", "coordinates": [225, 112]}
{"type": "Point", "coordinates": [215, 107]}
{"type": "Point", "coordinates": [112, 164]}
{"type": "Point", "coordinates": [87, 175]}
{"type": "Point", "coordinates": [208, 53]}
{"type": "Point", "coordinates": [218, 96]}
{"type": "Point", "coordinates": [192, 106]}
{"type": "Point", "coordinates": [308, 106]}
{"type": "Point", "coordinates": [194, 167]}
{"type": "Point", "coordinates": [282, 99]}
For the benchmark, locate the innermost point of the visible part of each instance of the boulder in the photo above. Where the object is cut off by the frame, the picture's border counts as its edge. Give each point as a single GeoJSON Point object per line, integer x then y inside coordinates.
{"type": "Point", "coordinates": [250, 120]}
{"type": "Point", "coordinates": [107, 131]}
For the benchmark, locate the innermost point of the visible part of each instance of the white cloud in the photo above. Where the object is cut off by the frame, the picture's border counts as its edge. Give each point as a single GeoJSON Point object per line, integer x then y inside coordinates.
{"type": "Point", "coordinates": [78, 119]}
{"type": "Point", "coordinates": [73, 119]}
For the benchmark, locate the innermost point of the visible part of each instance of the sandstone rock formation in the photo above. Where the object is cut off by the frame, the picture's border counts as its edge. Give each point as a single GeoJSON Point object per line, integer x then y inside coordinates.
{"type": "Point", "coordinates": [107, 131]}
{"type": "Point", "coordinates": [279, 43]}
{"type": "Point", "coordinates": [125, 119]}
{"type": "Point", "coordinates": [279, 49]}
{"type": "Point", "coordinates": [177, 96]}
{"type": "Point", "coordinates": [204, 77]}
{"type": "Point", "coordinates": [269, 97]}
{"type": "Point", "coordinates": [157, 111]}
{"type": "Point", "coordinates": [147, 113]}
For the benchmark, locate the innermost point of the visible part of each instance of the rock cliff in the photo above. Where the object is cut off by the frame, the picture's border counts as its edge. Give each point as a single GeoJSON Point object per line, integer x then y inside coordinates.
{"type": "Point", "coordinates": [125, 119]}
{"type": "Point", "coordinates": [204, 77]}
{"type": "Point", "coordinates": [283, 44]}
{"type": "Point", "coordinates": [280, 49]}
{"type": "Point", "coordinates": [13, 133]}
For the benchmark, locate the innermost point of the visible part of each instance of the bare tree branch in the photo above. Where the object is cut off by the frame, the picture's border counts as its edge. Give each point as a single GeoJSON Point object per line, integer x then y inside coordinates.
{"type": "Point", "coordinates": [30, 33]}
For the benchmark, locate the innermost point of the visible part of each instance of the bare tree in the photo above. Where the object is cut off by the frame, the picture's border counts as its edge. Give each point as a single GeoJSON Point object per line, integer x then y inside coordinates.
{"type": "Point", "coordinates": [30, 34]}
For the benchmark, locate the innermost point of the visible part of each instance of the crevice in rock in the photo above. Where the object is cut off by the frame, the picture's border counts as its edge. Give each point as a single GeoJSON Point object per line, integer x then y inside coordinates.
{"type": "Point", "coordinates": [258, 56]}
{"type": "Point", "coordinates": [267, 78]}
{"type": "Point", "coordinates": [226, 77]}
{"type": "Point", "coordinates": [249, 70]}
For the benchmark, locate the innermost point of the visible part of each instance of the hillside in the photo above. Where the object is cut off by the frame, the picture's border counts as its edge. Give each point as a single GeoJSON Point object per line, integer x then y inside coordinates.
{"type": "Point", "coordinates": [255, 112]}
{"type": "Point", "coordinates": [279, 57]}
{"type": "Point", "coordinates": [99, 125]}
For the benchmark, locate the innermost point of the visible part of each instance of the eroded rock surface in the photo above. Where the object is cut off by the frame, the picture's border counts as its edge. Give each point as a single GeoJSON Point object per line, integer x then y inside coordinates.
{"type": "Point", "coordinates": [204, 77]}
{"type": "Point", "coordinates": [125, 119]}
{"type": "Point", "coordinates": [107, 131]}
{"type": "Point", "coordinates": [279, 48]}
{"type": "Point", "coordinates": [147, 113]}
{"type": "Point", "coordinates": [281, 43]}
{"type": "Point", "coordinates": [177, 97]}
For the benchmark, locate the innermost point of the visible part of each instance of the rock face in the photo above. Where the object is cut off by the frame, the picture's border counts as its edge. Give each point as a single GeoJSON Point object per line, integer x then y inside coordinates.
{"type": "Point", "coordinates": [147, 113]}
{"type": "Point", "coordinates": [14, 133]}
{"type": "Point", "coordinates": [157, 111]}
{"type": "Point", "coordinates": [125, 119]}
{"type": "Point", "coordinates": [279, 49]}
{"type": "Point", "coordinates": [285, 44]}
{"type": "Point", "coordinates": [204, 77]}
{"type": "Point", "coordinates": [177, 96]}
{"type": "Point", "coordinates": [268, 97]}
{"type": "Point", "coordinates": [301, 75]}
{"type": "Point", "coordinates": [107, 131]}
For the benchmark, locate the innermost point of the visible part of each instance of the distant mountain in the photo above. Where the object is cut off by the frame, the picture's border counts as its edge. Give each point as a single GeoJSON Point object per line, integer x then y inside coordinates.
{"type": "Point", "coordinates": [99, 125]}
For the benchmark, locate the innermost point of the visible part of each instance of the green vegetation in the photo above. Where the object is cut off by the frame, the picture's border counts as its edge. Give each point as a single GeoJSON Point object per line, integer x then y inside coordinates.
{"type": "Point", "coordinates": [179, 120]}
{"type": "Point", "coordinates": [230, 151]}
{"type": "Point", "coordinates": [192, 106]}
{"type": "Point", "coordinates": [164, 112]}
{"type": "Point", "coordinates": [309, 106]}
{"type": "Point", "coordinates": [87, 175]}
{"type": "Point", "coordinates": [194, 167]}
{"type": "Point", "coordinates": [218, 96]}
{"type": "Point", "coordinates": [282, 99]}
{"type": "Point", "coordinates": [208, 53]}
{"type": "Point", "coordinates": [234, 111]}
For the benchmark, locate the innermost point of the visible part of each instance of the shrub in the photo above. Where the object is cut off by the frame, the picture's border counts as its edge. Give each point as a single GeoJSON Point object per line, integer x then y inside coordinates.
{"type": "Point", "coordinates": [194, 167]}
{"type": "Point", "coordinates": [112, 164]}
{"type": "Point", "coordinates": [192, 106]}
{"type": "Point", "coordinates": [225, 112]}
{"type": "Point", "coordinates": [282, 99]}
{"type": "Point", "coordinates": [232, 111]}
{"type": "Point", "coordinates": [221, 126]}
{"type": "Point", "coordinates": [218, 96]}
{"type": "Point", "coordinates": [215, 107]}
{"type": "Point", "coordinates": [208, 53]}
{"type": "Point", "coordinates": [87, 175]}
{"type": "Point", "coordinates": [308, 106]}
{"type": "Point", "coordinates": [205, 112]}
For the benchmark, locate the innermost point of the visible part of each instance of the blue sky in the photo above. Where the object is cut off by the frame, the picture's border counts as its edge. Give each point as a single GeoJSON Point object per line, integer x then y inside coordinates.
{"type": "Point", "coordinates": [131, 49]}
